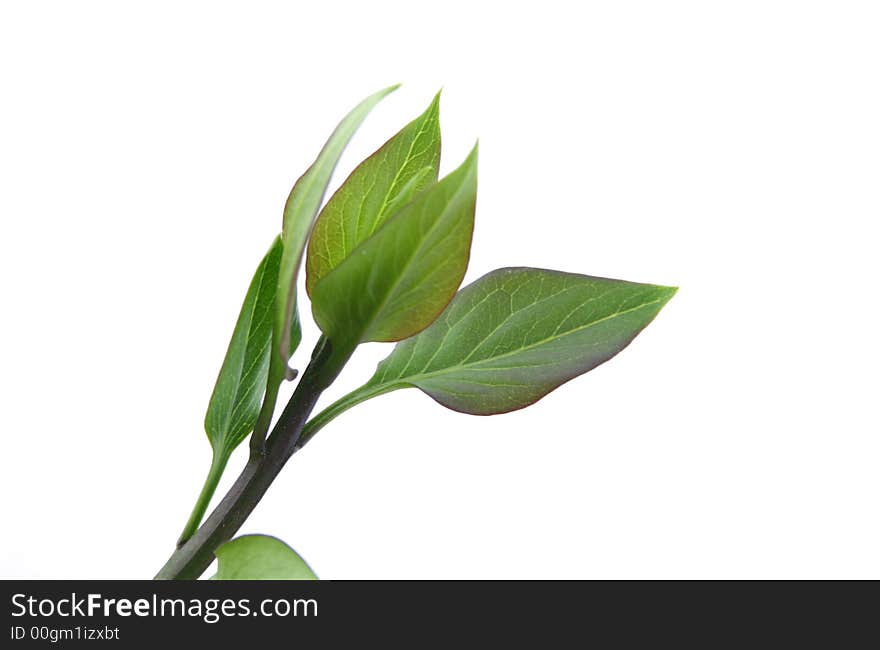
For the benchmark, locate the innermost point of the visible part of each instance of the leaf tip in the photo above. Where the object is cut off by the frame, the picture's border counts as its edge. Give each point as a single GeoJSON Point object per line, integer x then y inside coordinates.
{"type": "Point", "coordinates": [469, 166]}
{"type": "Point", "coordinates": [434, 106]}
{"type": "Point", "coordinates": [664, 295]}
{"type": "Point", "coordinates": [475, 152]}
{"type": "Point", "coordinates": [669, 292]}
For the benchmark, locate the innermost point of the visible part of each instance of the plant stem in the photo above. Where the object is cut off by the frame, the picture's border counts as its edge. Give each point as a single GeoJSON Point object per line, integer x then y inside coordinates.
{"type": "Point", "coordinates": [264, 419]}
{"type": "Point", "coordinates": [218, 464]}
{"type": "Point", "coordinates": [258, 446]}
{"type": "Point", "coordinates": [190, 560]}
{"type": "Point", "coordinates": [341, 405]}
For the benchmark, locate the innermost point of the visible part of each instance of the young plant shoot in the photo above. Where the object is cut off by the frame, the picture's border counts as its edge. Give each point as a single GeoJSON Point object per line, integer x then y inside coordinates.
{"type": "Point", "coordinates": [384, 258]}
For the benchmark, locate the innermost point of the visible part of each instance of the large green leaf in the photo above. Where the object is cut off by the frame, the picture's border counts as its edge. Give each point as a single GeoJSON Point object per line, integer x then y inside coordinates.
{"type": "Point", "coordinates": [510, 338]}
{"type": "Point", "coordinates": [407, 163]}
{"type": "Point", "coordinates": [260, 557]}
{"type": "Point", "coordinates": [235, 402]}
{"type": "Point", "coordinates": [299, 215]}
{"type": "Point", "coordinates": [399, 280]}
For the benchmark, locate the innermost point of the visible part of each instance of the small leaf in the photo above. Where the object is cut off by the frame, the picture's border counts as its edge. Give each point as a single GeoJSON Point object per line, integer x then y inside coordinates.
{"type": "Point", "coordinates": [260, 557]}
{"type": "Point", "coordinates": [299, 214]}
{"type": "Point", "coordinates": [235, 402]}
{"type": "Point", "coordinates": [510, 338]}
{"type": "Point", "coordinates": [370, 194]}
{"type": "Point", "coordinates": [400, 279]}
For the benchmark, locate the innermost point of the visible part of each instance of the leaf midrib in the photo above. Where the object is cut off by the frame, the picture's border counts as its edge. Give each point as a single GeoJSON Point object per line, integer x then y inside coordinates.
{"type": "Point", "coordinates": [385, 200]}
{"type": "Point", "coordinates": [422, 375]}
{"type": "Point", "coordinates": [239, 375]}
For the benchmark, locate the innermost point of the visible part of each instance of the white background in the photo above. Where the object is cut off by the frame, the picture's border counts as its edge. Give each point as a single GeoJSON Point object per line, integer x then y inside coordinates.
{"type": "Point", "coordinates": [729, 148]}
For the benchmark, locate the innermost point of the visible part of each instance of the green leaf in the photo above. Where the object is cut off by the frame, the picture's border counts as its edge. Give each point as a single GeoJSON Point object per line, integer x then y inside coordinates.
{"type": "Point", "coordinates": [510, 338]}
{"type": "Point", "coordinates": [235, 402]}
{"type": "Point", "coordinates": [421, 179]}
{"type": "Point", "coordinates": [260, 557]}
{"type": "Point", "coordinates": [299, 214]}
{"type": "Point", "coordinates": [370, 194]}
{"type": "Point", "coordinates": [235, 407]}
{"type": "Point", "coordinates": [400, 279]}
{"type": "Point", "coordinates": [516, 334]}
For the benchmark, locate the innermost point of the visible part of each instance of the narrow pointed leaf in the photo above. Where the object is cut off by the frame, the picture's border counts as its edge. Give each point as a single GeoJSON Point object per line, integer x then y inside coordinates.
{"type": "Point", "coordinates": [400, 279]}
{"type": "Point", "coordinates": [299, 215]}
{"type": "Point", "coordinates": [235, 402]}
{"type": "Point", "coordinates": [371, 193]}
{"type": "Point", "coordinates": [260, 557]}
{"type": "Point", "coordinates": [510, 338]}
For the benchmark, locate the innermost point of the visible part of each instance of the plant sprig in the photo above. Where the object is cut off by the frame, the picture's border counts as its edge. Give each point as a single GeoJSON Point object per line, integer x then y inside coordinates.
{"type": "Point", "coordinates": [384, 259]}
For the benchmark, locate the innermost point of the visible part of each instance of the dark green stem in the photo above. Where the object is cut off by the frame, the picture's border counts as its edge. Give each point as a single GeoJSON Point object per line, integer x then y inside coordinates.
{"type": "Point", "coordinates": [191, 559]}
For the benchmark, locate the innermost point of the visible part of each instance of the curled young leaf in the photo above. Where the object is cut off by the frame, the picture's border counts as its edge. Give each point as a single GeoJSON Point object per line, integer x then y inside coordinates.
{"type": "Point", "coordinates": [510, 338]}
{"type": "Point", "coordinates": [299, 214]}
{"type": "Point", "coordinates": [399, 280]}
{"type": "Point", "coordinates": [405, 164]}
{"type": "Point", "coordinates": [260, 557]}
{"type": "Point", "coordinates": [235, 402]}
